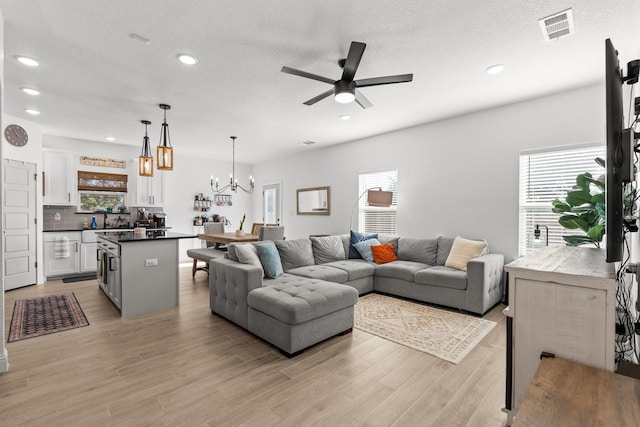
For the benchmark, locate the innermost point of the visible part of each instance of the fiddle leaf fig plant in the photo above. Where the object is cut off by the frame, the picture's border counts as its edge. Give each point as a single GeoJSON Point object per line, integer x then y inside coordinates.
{"type": "Point", "coordinates": [583, 209]}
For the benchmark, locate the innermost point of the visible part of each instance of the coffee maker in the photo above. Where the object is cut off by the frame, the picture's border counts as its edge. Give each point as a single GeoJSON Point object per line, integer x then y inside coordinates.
{"type": "Point", "coordinates": [160, 219]}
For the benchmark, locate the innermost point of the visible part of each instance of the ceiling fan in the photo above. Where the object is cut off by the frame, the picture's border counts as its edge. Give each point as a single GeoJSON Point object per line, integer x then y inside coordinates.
{"type": "Point", "coordinates": [346, 90]}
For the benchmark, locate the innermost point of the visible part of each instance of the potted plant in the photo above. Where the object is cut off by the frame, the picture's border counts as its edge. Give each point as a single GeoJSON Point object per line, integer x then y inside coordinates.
{"type": "Point", "coordinates": [239, 231]}
{"type": "Point", "coordinates": [584, 209]}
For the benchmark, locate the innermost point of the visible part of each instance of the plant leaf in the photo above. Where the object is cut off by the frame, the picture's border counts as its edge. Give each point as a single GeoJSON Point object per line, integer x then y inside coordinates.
{"type": "Point", "coordinates": [578, 197]}
{"type": "Point", "coordinates": [577, 240]}
{"type": "Point", "coordinates": [596, 233]}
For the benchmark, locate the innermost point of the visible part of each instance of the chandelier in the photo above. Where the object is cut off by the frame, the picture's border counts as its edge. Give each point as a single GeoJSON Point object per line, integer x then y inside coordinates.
{"type": "Point", "coordinates": [233, 182]}
{"type": "Point", "coordinates": [145, 161]}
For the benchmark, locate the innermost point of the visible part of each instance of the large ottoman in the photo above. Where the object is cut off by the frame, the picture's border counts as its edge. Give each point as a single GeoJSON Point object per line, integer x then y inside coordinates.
{"type": "Point", "coordinates": [301, 312]}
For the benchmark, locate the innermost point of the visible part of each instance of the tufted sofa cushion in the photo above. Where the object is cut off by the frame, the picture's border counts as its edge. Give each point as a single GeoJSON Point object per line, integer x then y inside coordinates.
{"type": "Point", "coordinates": [321, 272]}
{"type": "Point", "coordinates": [403, 270]}
{"type": "Point", "coordinates": [355, 268]}
{"type": "Point", "coordinates": [297, 301]}
{"type": "Point", "coordinates": [444, 277]}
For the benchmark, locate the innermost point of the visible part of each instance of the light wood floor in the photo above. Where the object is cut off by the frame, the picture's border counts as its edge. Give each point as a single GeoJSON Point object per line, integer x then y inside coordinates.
{"type": "Point", "coordinates": [185, 366]}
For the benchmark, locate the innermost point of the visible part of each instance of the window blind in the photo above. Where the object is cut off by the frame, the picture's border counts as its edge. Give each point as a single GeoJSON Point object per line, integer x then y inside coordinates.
{"type": "Point", "coordinates": [378, 219]}
{"type": "Point", "coordinates": [545, 176]}
{"type": "Point", "coordinates": [98, 181]}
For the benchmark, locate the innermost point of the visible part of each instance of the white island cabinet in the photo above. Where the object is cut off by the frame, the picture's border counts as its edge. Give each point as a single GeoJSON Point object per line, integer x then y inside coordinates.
{"type": "Point", "coordinates": [140, 274]}
{"type": "Point", "coordinates": [561, 301]}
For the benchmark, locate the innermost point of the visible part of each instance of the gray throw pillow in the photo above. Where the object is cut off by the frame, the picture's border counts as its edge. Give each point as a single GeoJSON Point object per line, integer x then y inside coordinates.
{"type": "Point", "coordinates": [418, 250]}
{"type": "Point", "coordinates": [327, 249]}
{"type": "Point", "coordinates": [295, 253]}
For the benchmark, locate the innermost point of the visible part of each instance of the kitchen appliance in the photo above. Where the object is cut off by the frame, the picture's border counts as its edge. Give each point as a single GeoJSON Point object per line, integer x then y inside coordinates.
{"type": "Point", "coordinates": [160, 219]}
{"type": "Point", "coordinates": [143, 223]}
{"type": "Point", "coordinates": [109, 274]}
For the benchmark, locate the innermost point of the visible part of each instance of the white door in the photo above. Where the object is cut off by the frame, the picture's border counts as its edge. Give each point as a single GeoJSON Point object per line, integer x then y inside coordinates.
{"type": "Point", "coordinates": [19, 233]}
{"type": "Point", "coordinates": [271, 203]}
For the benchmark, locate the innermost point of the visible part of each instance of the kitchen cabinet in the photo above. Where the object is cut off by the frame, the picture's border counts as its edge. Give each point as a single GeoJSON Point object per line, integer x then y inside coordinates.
{"type": "Point", "coordinates": [88, 257]}
{"type": "Point", "coordinates": [61, 253]}
{"type": "Point", "coordinates": [148, 190]}
{"type": "Point", "coordinates": [561, 301]}
{"type": "Point", "coordinates": [59, 175]}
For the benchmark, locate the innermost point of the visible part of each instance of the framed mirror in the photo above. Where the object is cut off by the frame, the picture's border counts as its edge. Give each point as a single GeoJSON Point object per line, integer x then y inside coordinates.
{"type": "Point", "coordinates": [313, 201]}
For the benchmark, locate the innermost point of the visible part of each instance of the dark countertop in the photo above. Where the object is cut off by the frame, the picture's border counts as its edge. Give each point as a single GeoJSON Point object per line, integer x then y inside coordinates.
{"type": "Point", "coordinates": [150, 235]}
{"type": "Point", "coordinates": [62, 230]}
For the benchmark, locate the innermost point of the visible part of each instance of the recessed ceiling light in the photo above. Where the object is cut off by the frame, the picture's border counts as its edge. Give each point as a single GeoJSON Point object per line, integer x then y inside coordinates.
{"type": "Point", "coordinates": [344, 117]}
{"type": "Point", "coordinates": [110, 138]}
{"type": "Point", "coordinates": [495, 69]}
{"type": "Point", "coordinates": [30, 91]}
{"type": "Point", "coordinates": [27, 61]}
{"type": "Point", "coordinates": [31, 111]}
{"type": "Point", "coordinates": [187, 59]}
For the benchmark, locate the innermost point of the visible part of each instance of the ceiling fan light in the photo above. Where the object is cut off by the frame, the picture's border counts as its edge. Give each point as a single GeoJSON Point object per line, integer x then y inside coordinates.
{"type": "Point", "coordinates": [345, 97]}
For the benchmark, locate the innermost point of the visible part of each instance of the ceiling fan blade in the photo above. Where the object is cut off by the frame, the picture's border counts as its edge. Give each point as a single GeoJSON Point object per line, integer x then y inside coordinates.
{"type": "Point", "coordinates": [375, 81]}
{"type": "Point", "coordinates": [320, 97]}
{"type": "Point", "coordinates": [300, 73]}
{"type": "Point", "coordinates": [362, 100]}
{"type": "Point", "coordinates": [353, 60]}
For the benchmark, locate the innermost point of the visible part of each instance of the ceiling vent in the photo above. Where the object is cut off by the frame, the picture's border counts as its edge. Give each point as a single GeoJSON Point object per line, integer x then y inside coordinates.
{"type": "Point", "coordinates": [557, 25]}
{"type": "Point", "coordinates": [307, 143]}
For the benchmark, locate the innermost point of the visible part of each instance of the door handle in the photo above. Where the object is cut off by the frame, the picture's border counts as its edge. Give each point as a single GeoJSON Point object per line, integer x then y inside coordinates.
{"type": "Point", "coordinates": [43, 186]}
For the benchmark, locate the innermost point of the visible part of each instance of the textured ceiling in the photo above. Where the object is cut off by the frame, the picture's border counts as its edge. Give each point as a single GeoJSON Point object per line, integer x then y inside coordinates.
{"type": "Point", "coordinates": [97, 81]}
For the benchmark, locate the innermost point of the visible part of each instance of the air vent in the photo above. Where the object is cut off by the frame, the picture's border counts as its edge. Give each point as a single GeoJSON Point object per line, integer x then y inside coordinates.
{"type": "Point", "coordinates": [557, 25]}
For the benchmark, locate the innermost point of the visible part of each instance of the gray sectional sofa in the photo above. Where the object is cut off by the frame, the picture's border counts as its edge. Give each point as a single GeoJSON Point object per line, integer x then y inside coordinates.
{"type": "Point", "coordinates": [313, 299]}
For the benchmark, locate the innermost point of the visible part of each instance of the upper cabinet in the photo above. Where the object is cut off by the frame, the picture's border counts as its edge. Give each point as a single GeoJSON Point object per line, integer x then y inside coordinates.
{"type": "Point", "coordinates": [148, 191]}
{"type": "Point", "coordinates": [59, 178]}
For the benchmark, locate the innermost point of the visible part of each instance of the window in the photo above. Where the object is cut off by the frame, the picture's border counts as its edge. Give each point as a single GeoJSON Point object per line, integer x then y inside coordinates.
{"type": "Point", "coordinates": [377, 219]}
{"type": "Point", "coordinates": [92, 201]}
{"type": "Point", "coordinates": [101, 191]}
{"type": "Point", "coordinates": [545, 176]}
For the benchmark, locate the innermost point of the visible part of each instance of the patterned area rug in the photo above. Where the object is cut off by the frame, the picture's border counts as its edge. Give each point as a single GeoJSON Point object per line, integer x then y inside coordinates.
{"type": "Point", "coordinates": [45, 315]}
{"type": "Point", "coordinates": [444, 334]}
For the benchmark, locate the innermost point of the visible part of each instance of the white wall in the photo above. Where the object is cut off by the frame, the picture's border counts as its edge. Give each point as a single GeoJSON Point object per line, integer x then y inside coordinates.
{"type": "Point", "coordinates": [30, 153]}
{"type": "Point", "coordinates": [4, 356]}
{"type": "Point", "coordinates": [189, 177]}
{"type": "Point", "coordinates": [455, 177]}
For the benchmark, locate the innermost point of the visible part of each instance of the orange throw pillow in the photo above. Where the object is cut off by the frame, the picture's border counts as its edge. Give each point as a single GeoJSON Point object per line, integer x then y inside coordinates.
{"type": "Point", "coordinates": [384, 253]}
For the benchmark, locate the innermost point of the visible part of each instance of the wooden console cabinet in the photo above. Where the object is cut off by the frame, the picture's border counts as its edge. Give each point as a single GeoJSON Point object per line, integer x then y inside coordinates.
{"type": "Point", "coordinates": [561, 301]}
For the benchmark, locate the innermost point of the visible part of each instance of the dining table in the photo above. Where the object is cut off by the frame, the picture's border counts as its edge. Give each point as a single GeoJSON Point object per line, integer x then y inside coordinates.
{"type": "Point", "coordinates": [226, 238]}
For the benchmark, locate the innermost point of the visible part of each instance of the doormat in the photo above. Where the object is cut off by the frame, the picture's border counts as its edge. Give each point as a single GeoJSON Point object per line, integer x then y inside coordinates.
{"type": "Point", "coordinates": [45, 315]}
{"type": "Point", "coordinates": [444, 334]}
{"type": "Point", "coordinates": [80, 278]}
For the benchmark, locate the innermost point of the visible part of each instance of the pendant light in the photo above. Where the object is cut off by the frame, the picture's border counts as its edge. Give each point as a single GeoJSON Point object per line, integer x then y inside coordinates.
{"type": "Point", "coordinates": [164, 153]}
{"type": "Point", "coordinates": [145, 161]}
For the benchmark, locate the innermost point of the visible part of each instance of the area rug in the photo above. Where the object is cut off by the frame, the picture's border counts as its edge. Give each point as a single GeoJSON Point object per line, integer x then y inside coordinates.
{"type": "Point", "coordinates": [440, 333]}
{"type": "Point", "coordinates": [45, 315]}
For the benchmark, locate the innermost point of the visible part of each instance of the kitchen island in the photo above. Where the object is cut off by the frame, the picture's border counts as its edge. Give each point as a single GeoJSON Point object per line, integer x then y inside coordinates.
{"type": "Point", "coordinates": [139, 273]}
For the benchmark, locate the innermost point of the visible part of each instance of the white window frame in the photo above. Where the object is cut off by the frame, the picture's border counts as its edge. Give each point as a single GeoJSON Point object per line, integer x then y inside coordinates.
{"type": "Point", "coordinates": [388, 181]}
{"type": "Point", "coordinates": [545, 175]}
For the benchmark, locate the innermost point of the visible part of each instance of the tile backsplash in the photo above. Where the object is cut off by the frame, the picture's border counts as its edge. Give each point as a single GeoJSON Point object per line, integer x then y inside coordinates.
{"type": "Point", "coordinates": [65, 218]}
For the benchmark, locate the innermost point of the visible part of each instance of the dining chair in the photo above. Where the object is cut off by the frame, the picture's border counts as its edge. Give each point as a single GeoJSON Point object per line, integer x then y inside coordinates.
{"type": "Point", "coordinates": [213, 228]}
{"type": "Point", "coordinates": [255, 228]}
{"type": "Point", "coordinates": [271, 232]}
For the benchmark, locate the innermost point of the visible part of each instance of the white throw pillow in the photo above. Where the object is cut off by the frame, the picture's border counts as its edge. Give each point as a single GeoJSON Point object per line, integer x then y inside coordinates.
{"type": "Point", "coordinates": [462, 251]}
{"type": "Point", "coordinates": [248, 254]}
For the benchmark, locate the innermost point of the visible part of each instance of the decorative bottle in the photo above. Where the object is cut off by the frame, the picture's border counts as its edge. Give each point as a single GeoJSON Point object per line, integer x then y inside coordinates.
{"type": "Point", "coordinates": [94, 224]}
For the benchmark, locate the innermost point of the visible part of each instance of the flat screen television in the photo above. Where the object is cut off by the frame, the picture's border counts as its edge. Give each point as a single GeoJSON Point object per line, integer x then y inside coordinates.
{"type": "Point", "coordinates": [615, 155]}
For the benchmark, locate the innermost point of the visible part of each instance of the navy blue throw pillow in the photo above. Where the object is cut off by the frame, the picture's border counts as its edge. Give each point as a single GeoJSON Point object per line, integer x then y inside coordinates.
{"type": "Point", "coordinates": [357, 237]}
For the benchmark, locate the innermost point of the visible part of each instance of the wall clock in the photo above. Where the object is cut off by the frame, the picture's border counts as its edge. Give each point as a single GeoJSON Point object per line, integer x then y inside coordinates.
{"type": "Point", "coordinates": [16, 135]}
